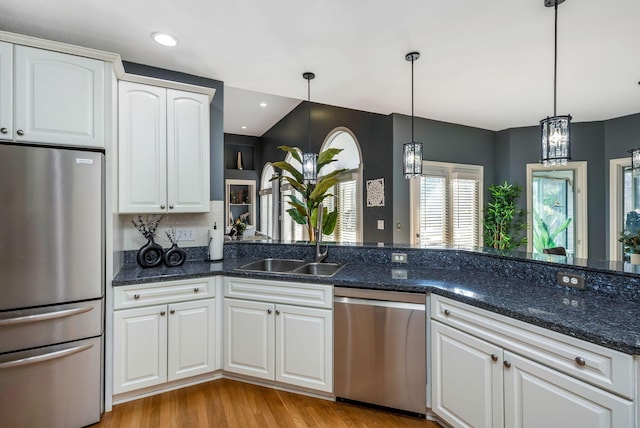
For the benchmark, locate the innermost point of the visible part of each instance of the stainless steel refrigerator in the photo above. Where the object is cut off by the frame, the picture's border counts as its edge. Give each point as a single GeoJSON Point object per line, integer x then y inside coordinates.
{"type": "Point", "coordinates": [51, 286]}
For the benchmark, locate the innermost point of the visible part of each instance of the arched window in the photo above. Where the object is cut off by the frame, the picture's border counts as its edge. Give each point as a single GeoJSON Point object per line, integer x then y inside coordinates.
{"type": "Point", "coordinates": [266, 200]}
{"type": "Point", "coordinates": [347, 199]}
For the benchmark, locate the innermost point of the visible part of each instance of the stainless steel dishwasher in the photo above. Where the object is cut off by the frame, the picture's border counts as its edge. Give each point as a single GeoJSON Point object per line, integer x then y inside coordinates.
{"type": "Point", "coordinates": [380, 348]}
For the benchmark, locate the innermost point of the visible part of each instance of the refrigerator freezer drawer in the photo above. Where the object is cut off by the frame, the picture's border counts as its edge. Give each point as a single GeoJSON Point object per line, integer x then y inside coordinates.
{"type": "Point", "coordinates": [56, 386]}
{"type": "Point", "coordinates": [30, 328]}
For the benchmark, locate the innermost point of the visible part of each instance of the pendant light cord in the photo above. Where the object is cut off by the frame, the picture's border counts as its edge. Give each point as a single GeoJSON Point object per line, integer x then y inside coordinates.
{"type": "Point", "coordinates": [412, 115]}
{"type": "Point", "coordinates": [309, 114]}
{"type": "Point", "coordinates": [555, 59]}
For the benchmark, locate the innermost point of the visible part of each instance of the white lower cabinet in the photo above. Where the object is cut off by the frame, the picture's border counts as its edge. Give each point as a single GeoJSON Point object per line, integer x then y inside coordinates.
{"type": "Point", "coordinates": [479, 381]}
{"type": "Point", "coordinates": [279, 342]}
{"type": "Point", "coordinates": [162, 343]}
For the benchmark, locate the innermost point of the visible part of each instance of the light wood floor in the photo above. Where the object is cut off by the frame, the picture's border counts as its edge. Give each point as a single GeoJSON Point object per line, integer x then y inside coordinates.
{"type": "Point", "coordinates": [227, 403]}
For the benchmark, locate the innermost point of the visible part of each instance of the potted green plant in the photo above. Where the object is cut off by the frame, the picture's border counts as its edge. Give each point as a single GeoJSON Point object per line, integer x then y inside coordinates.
{"type": "Point", "coordinates": [546, 233]}
{"type": "Point", "coordinates": [304, 209]}
{"type": "Point", "coordinates": [503, 219]}
{"type": "Point", "coordinates": [630, 237]}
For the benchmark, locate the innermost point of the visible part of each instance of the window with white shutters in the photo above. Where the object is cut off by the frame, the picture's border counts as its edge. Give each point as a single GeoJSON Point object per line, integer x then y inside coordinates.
{"type": "Point", "coordinates": [448, 205]}
{"type": "Point", "coordinates": [346, 199]}
{"type": "Point", "coordinates": [266, 200]}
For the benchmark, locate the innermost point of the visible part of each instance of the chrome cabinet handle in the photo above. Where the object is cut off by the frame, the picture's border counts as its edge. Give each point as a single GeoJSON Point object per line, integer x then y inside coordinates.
{"type": "Point", "coordinates": [447, 312]}
{"type": "Point", "coordinates": [162, 313]}
{"type": "Point", "coordinates": [136, 296]}
{"type": "Point", "coordinates": [494, 357]}
{"type": "Point", "coordinates": [20, 132]}
{"type": "Point", "coordinates": [507, 364]}
{"type": "Point", "coordinates": [580, 361]}
{"type": "Point", "coordinates": [170, 207]}
{"type": "Point", "coordinates": [195, 290]}
{"type": "Point", "coordinates": [172, 311]}
{"type": "Point", "coordinates": [4, 130]}
{"type": "Point", "coordinates": [162, 206]}
{"type": "Point", "coordinates": [277, 311]}
{"type": "Point", "coordinates": [269, 311]}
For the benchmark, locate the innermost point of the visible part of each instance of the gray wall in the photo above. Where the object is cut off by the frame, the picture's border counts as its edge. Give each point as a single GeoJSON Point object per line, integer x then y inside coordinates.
{"type": "Point", "coordinates": [374, 134]}
{"type": "Point", "coordinates": [216, 125]}
{"type": "Point", "coordinates": [442, 142]}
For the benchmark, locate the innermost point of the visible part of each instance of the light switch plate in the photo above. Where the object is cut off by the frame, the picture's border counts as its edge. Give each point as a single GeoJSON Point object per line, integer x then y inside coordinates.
{"type": "Point", "coordinates": [380, 224]}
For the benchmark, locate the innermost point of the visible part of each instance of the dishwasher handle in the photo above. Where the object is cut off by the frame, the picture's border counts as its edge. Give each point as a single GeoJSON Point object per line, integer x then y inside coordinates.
{"type": "Point", "coordinates": [379, 303]}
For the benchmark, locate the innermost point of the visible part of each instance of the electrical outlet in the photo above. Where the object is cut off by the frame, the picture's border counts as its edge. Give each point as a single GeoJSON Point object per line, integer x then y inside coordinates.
{"type": "Point", "coordinates": [380, 224]}
{"type": "Point", "coordinates": [398, 274]}
{"type": "Point", "coordinates": [399, 257]}
{"type": "Point", "coordinates": [184, 234]}
{"type": "Point", "coordinates": [571, 280]}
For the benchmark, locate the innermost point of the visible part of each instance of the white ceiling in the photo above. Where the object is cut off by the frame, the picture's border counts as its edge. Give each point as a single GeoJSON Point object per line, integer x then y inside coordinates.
{"type": "Point", "coordinates": [483, 63]}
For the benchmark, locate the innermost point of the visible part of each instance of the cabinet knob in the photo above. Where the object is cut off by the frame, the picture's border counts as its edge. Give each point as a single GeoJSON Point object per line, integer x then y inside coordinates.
{"type": "Point", "coordinates": [162, 206]}
{"type": "Point", "coordinates": [20, 132]}
{"type": "Point", "coordinates": [195, 290]}
{"type": "Point", "coordinates": [269, 311]}
{"type": "Point", "coordinates": [162, 313]}
{"type": "Point", "coordinates": [494, 357]}
{"type": "Point", "coordinates": [447, 312]}
{"type": "Point", "coordinates": [172, 311]}
{"type": "Point", "coordinates": [136, 296]}
{"type": "Point", "coordinates": [580, 361]}
{"type": "Point", "coordinates": [4, 130]}
{"type": "Point", "coordinates": [277, 311]}
{"type": "Point", "coordinates": [507, 364]}
{"type": "Point", "coordinates": [170, 207]}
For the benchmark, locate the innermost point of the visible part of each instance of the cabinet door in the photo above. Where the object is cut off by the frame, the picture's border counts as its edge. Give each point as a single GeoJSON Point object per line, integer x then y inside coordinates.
{"type": "Point", "coordinates": [249, 338]}
{"type": "Point", "coordinates": [6, 91]}
{"type": "Point", "coordinates": [139, 348]}
{"type": "Point", "coordinates": [537, 396]}
{"type": "Point", "coordinates": [187, 151]}
{"type": "Point", "coordinates": [304, 347]}
{"type": "Point", "coordinates": [142, 154]}
{"type": "Point", "coordinates": [466, 379]}
{"type": "Point", "coordinates": [59, 98]}
{"type": "Point", "coordinates": [191, 343]}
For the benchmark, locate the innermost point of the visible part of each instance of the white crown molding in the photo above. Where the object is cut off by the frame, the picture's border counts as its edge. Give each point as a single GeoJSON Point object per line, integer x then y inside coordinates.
{"type": "Point", "coordinates": [135, 78]}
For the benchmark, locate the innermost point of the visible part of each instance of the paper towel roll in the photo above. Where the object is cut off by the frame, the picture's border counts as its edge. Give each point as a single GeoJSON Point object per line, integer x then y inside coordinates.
{"type": "Point", "coordinates": [216, 242]}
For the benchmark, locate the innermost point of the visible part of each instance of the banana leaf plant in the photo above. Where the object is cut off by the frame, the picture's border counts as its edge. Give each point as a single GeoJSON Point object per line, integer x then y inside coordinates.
{"type": "Point", "coordinates": [545, 234]}
{"type": "Point", "coordinates": [304, 209]}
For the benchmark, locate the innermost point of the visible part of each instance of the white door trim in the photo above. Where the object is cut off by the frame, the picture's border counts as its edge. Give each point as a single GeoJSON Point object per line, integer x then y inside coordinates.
{"type": "Point", "coordinates": [616, 225]}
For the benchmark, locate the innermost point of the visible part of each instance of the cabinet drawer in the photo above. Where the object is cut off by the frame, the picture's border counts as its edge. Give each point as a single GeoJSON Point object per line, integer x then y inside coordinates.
{"type": "Point", "coordinates": [131, 296]}
{"type": "Point", "coordinates": [295, 293]}
{"type": "Point", "coordinates": [606, 368]}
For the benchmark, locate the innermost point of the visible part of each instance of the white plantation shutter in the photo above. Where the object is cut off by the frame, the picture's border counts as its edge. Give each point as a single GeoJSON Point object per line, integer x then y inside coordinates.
{"type": "Point", "coordinates": [266, 212]}
{"type": "Point", "coordinates": [347, 203]}
{"type": "Point", "coordinates": [433, 211]}
{"type": "Point", "coordinates": [449, 205]}
{"type": "Point", "coordinates": [291, 231]}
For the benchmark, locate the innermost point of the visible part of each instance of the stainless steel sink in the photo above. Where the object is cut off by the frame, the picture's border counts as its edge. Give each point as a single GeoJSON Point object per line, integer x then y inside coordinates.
{"type": "Point", "coordinates": [319, 269]}
{"type": "Point", "coordinates": [292, 267]}
{"type": "Point", "coordinates": [273, 265]}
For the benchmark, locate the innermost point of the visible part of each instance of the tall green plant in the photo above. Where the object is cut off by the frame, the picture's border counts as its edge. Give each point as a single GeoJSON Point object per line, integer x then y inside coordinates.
{"type": "Point", "coordinates": [304, 210]}
{"type": "Point", "coordinates": [545, 234]}
{"type": "Point", "coordinates": [503, 219]}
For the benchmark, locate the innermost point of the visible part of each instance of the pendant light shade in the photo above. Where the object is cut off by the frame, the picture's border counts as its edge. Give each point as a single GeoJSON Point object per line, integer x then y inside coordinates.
{"type": "Point", "coordinates": [412, 152]}
{"type": "Point", "coordinates": [309, 159]}
{"type": "Point", "coordinates": [555, 130]}
{"type": "Point", "coordinates": [635, 161]}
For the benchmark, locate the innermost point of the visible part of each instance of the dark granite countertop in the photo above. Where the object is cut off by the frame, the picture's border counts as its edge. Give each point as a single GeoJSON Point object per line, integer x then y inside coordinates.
{"type": "Point", "coordinates": [610, 322]}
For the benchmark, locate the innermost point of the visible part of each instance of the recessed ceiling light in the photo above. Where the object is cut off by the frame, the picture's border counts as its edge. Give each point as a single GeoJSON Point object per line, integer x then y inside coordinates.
{"type": "Point", "coordinates": [164, 39]}
{"type": "Point", "coordinates": [263, 104]}
{"type": "Point", "coordinates": [244, 127]}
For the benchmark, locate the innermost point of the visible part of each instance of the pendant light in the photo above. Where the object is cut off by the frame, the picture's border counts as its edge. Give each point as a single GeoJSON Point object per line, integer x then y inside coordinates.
{"type": "Point", "coordinates": [412, 152]}
{"type": "Point", "coordinates": [635, 161]}
{"type": "Point", "coordinates": [556, 130]}
{"type": "Point", "coordinates": [309, 159]}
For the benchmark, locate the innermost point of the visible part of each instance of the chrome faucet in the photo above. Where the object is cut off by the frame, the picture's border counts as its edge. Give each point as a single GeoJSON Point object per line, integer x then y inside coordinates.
{"type": "Point", "coordinates": [320, 255]}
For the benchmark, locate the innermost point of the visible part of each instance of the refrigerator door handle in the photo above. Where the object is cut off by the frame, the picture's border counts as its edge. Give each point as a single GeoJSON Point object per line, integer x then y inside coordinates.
{"type": "Point", "coordinates": [45, 316]}
{"type": "Point", "coordinates": [45, 357]}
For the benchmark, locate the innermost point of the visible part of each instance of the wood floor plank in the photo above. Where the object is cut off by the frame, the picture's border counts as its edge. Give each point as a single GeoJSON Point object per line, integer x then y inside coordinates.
{"type": "Point", "coordinates": [230, 404]}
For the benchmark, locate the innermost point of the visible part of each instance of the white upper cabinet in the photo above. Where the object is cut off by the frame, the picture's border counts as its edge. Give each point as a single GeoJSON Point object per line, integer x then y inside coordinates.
{"type": "Point", "coordinates": [188, 151]}
{"type": "Point", "coordinates": [6, 91]}
{"type": "Point", "coordinates": [59, 98]}
{"type": "Point", "coordinates": [163, 150]}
